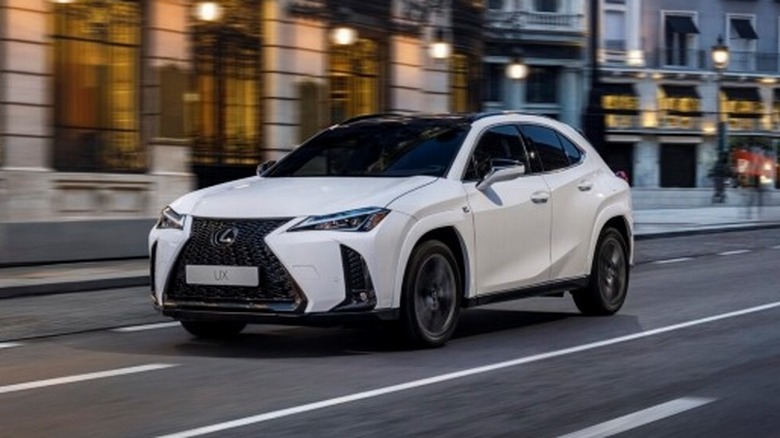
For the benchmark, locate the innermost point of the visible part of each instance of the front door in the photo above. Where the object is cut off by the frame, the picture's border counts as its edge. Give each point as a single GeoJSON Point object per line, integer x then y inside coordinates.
{"type": "Point", "coordinates": [511, 218]}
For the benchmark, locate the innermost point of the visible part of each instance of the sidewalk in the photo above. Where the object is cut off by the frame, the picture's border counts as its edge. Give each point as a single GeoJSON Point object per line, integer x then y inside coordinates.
{"type": "Point", "coordinates": [76, 277]}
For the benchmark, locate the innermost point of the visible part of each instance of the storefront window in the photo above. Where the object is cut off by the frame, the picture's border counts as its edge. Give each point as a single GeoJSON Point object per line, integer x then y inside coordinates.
{"type": "Point", "coordinates": [96, 83]}
{"type": "Point", "coordinates": [355, 80]}
{"type": "Point", "coordinates": [459, 83]}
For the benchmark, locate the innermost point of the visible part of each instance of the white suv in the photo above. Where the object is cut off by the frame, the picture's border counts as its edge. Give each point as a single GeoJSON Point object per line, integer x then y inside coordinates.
{"type": "Point", "coordinates": [399, 217]}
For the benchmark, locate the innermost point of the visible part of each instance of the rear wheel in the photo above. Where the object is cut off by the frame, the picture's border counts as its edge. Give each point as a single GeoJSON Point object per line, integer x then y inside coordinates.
{"type": "Point", "coordinates": [213, 329]}
{"type": "Point", "coordinates": [606, 291]}
{"type": "Point", "coordinates": [430, 300]}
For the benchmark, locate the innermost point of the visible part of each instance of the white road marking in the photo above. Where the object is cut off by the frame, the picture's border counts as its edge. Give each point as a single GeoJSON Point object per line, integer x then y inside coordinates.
{"type": "Point", "coordinates": [776, 247]}
{"type": "Point", "coordinates": [735, 252]}
{"type": "Point", "coordinates": [640, 418]}
{"type": "Point", "coordinates": [8, 345]}
{"type": "Point", "coordinates": [457, 375]}
{"type": "Point", "coordinates": [677, 260]}
{"type": "Point", "coordinates": [83, 377]}
{"type": "Point", "coordinates": [139, 328]}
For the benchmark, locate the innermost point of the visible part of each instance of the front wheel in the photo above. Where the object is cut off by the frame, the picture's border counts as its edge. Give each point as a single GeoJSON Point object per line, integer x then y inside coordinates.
{"type": "Point", "coordinates": [608, 286]}
{"type": "Point", "coordinates": [213, 329]}
{"type": "Point", "coordinates": [430, 300]}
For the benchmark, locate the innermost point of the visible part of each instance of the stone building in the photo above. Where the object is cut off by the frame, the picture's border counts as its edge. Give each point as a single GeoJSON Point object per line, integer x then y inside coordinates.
{"type": "Point", "coordinates": [109, 109]}
{"type": "Point", "coordinates": [662, 96]}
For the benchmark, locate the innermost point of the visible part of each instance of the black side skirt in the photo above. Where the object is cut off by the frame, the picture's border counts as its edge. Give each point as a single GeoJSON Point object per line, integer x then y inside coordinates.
{"type": "Point", "coordinates": [557, 287]}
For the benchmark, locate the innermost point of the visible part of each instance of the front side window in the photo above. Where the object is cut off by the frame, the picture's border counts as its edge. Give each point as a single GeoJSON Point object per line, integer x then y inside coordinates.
{"type": "Point", "coordinates": [500, 142]}
{"type": "Point", "coordinates": [96, 83]}
{"type": "Point", "coordinates": [544, 141]}
{"type": "Point", "coordinates": [377, 148]}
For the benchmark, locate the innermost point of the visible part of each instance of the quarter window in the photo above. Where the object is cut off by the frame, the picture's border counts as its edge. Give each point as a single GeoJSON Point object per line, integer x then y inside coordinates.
{"type": "Point", "coordinates": [546, 144]}
{"type": "Point", "coordinates": [500, 142]}
{"type": "Point", "coordinates": [573, 153]}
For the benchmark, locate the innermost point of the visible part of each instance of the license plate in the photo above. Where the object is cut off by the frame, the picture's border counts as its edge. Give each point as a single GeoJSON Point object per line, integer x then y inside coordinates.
{"type": "Point", "coordinates": [215, 275]}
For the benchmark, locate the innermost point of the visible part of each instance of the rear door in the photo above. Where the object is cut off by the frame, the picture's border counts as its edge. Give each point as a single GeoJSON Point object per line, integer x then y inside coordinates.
{"type": "Point", "coordinates": [574, 204]}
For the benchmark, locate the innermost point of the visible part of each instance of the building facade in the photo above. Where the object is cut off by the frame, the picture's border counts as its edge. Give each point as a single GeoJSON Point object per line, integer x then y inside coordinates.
{"type": "Point", "coordinates": [109, 109]}
{"type": "Point", "coordinates": [662, 97]}
{"type": "Point", "coordinates": [549, 37]}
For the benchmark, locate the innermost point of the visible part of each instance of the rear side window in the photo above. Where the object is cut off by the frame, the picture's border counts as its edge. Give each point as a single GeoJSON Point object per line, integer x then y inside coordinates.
{"type": "Point", "coordinates": [547, 145]}
{"type": "Point", "coordinates": [573, 153]}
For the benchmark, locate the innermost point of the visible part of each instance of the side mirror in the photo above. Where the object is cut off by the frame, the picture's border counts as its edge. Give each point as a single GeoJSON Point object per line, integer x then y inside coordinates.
{"type": "Point", "coordinates": [263, 167]}
{"type": "Point", "coordinates": [501, 170]}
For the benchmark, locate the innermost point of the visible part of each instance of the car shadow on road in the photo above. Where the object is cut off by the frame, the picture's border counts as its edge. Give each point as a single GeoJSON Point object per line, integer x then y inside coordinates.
{"type": "Point", "coordinates": [284, 342]}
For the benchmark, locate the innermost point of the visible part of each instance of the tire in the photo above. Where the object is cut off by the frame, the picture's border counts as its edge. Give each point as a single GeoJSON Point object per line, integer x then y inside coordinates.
{"type": "Point", "coordinates": [430, 299]}
{"type": "Point", "coordinates": [608, 284]}
{"type": "Point", "coordinates": [213, 329]}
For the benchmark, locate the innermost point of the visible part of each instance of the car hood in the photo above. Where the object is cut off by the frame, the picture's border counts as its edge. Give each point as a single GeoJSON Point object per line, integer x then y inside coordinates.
{"type": "Point", "coordinates": [290, 197]}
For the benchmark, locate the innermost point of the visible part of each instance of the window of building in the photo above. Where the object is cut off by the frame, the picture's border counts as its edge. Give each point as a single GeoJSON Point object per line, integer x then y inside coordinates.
{"type": "Point", "coordinates": [546, 5]}
{"type": "Point", "coordinates": [493, 83]}
{"type": "Point", "coordinates": [615, 30]}
{"type": "Point", "coordinates": [459, 83]}
{"type": "Point", "coordinates": [680, 107]}
{"type": "Point", "coordinates": [621, 105]}
{"type": "Point", "coordinates": [495, 5]}
{"type": "Point", "coordinates": [542, 85]}
{"type": "Point", "coordinates": [355, 80]}
{"type": "Point", "coordinates": [544, 141]}
{"type": "Point", "coordinates": [743, 106]}
{"type": "Point", "coordinates": [96, 84]}
{"type": "Point", "coordinates": [227, 67]}
{"type": "Point", "coordinates": [678, 165]}
{"type": "Point", "coordinates": [680, 33]}
{"type": "Point", "coordinates": [742, 39]}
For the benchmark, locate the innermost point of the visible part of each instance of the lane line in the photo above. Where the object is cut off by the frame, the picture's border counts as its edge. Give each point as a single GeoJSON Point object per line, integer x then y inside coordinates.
{"type": "Point", "coordinates": [83, 377]}
{"type": "Point", "coordinates": [272, 415]}
{"type": "Point", "coordinates": [776, 247]}
{"type": "Point", "coordinates": [735, 252]}
{"type": "Point", "coordinates": [139, 328]}
{"type": "Point", "coordinates": [9, 344]}
{"type": "Point", "coordinates": [640, 418]}
{"type": "Point", "coordinates": [677, 260]}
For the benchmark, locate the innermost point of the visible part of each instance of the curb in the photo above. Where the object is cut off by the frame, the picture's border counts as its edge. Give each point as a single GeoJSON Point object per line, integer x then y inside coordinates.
{"type": "Point", "coordinates": [72, 286]}
{"type": "Point", "coordinates": [694, 232]}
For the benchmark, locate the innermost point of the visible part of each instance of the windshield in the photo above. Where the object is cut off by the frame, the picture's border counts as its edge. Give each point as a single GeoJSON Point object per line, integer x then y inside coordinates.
{"type": "Point", "coordinates": [394, 148]}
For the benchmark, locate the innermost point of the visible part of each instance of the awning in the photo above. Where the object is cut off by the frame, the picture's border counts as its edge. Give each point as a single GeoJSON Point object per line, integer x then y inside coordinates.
{"type": "Point", "coordinates": [744, 28]}
{"type": "Point", "coordinates": [618, 89]}
{"type": "Point", "coordinates": [742, 93]}
{"type": "Point", "coordinates": [681, 24]}
{"type": "Point", "coordinates": [680, 91]}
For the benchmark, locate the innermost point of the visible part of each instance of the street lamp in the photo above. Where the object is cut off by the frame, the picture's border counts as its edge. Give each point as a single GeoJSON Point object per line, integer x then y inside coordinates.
{"type": "Point", "coordinates": [343, 34]}
{"type": "Point", "coordinates": [440, 48]}
{"type": "Point", "coordinates": [517, 70]}
{"type": "Point", "coordinates": [208, 11]}
{"type": "Point", "coordinates": [720, 60]}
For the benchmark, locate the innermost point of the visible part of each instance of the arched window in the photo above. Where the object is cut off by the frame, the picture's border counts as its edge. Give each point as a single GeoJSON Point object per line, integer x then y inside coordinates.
{"type": "Point", "coordinates": [228, 68]}
{"type": "Point", "coordinates": [96, 83]}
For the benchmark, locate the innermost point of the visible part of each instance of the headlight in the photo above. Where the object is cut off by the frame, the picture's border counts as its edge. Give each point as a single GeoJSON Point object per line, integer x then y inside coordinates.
{"type": "Point", "coordinates": [169, 219]}
{"type": "Point", "coordinates": [362, 219]}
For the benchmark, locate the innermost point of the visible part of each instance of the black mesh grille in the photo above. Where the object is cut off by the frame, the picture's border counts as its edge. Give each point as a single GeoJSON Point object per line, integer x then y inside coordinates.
{"type": "Point", "coordinates": [249, 249]}
{"type": "Point", "coordinates": [358, 287]}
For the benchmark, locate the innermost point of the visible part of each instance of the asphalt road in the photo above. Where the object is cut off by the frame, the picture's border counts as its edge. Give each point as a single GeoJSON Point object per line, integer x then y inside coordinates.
{"type": "Point", "coordinates": [695, 352]}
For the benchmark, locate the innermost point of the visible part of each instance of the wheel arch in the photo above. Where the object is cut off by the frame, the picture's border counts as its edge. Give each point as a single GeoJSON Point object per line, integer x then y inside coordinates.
{"type": "Point", "coordinates": [622, 224]}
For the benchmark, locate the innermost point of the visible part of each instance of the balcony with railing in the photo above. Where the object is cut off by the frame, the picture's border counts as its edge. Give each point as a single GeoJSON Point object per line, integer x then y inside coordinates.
{"type": "Point", "coordinates": [615, 55]}
{"type": "Point", "coordinates": [532, 21]}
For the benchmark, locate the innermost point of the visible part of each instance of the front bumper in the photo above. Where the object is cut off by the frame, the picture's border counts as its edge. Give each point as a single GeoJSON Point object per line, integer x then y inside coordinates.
{"type": "Point", "coordinates": [330, 274]}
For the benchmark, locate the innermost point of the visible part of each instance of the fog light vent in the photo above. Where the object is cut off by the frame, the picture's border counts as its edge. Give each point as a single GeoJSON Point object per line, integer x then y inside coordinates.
{"type": "Point", "coordinates": [358, 287]}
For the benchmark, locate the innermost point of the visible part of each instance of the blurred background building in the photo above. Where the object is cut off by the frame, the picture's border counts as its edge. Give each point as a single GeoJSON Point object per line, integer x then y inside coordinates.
{"type": "Point", "coordinates": [662, 94]}
{"type": "Point", "coordinates": [109, 109]}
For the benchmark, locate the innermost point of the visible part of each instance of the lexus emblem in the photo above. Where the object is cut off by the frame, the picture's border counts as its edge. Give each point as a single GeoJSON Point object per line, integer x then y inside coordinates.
{"type": "Point", "coordinates": [224, 237]}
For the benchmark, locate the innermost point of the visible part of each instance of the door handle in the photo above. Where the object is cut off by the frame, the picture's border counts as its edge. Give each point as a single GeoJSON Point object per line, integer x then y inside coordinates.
{"type": "Point", "coordinates": [585, 186]}
{"type": "Point", "coordinates": [540, 197]}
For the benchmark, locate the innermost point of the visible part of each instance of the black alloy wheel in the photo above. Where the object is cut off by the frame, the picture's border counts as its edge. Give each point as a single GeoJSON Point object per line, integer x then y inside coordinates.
{"type": "Point", "coordinates": [608, 286]}
{"type": "Point", "coordinates": [432, 290]}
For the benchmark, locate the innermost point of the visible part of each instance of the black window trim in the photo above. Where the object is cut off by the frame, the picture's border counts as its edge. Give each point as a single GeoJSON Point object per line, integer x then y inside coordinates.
{"type": "Point", "coordinates": [583, 155]}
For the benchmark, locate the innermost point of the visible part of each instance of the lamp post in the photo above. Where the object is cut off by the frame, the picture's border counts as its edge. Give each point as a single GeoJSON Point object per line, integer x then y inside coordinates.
{"type": "Point", "coordinates": [343, 34]}
{"type": "Point", "coordinates": [516, 71]}
{"type": "Point", "coordinates": [720, 60]}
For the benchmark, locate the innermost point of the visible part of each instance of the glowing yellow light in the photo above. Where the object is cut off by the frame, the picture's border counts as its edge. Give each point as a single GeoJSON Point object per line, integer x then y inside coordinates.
{"type": "Point", "coordinates": [344, 36]}
{"type": "Point", "coordinates": [208, 11]}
